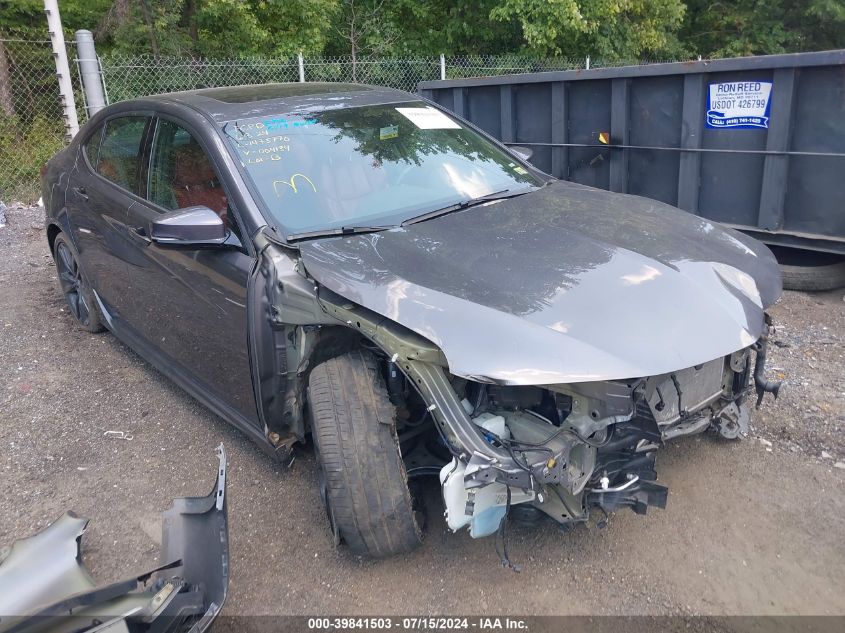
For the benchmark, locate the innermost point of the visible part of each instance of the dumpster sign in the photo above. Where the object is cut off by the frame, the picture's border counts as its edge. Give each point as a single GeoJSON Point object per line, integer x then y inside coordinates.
{"type": "Point", "coordinates": [739, 105]}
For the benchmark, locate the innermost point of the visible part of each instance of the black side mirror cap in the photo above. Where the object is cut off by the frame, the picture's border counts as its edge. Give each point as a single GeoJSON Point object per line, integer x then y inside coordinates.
{"type": "Point", "coordinates": [195, 226]}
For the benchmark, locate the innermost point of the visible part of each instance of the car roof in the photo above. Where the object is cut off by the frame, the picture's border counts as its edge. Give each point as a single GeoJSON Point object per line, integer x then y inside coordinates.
{"type": "Point", "coordinates": [237, 102]}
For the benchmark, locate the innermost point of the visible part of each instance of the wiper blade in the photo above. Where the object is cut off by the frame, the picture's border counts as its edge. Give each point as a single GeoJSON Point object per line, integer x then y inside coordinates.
{"type": "Point", "coordinates": [343, 230]}
{"type": "Point", "coordinates": [504, 194]}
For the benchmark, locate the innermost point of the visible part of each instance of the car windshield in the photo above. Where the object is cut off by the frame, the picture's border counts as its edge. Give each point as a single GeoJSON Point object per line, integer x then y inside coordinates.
{"type": "Point", "coordinates": [368, 166]}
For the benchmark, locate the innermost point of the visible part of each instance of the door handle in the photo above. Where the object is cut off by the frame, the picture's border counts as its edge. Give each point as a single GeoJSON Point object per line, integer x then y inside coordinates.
{"type": "Point", "coordinates": [80, 191]}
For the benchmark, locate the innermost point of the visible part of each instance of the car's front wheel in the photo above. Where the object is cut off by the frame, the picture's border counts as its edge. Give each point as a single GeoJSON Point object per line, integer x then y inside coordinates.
{"type": "Point", "coordinates": [75, 287]}
{"type": "Point", "coordinates": [363, 475]}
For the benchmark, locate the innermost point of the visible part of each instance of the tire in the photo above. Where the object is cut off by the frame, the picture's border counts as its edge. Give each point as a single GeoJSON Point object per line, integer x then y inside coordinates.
{"type": "Point", "coordinates": [813, 278]}
{"type": "Point", "coordinates": [354, 432]}
{"type": "Point", "coordinates": [804, 269]}
{"type": "Point", "coordinates": [75, 287]}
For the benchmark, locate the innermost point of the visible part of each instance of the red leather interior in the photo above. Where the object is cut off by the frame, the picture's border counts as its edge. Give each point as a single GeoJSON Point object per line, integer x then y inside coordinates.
{"type": "Point", "coordinates": [194, 180]}
{"type": "Point", "coordinates": [120, 171]}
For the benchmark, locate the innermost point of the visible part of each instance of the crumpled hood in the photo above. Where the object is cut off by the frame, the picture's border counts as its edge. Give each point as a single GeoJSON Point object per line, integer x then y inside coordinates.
{"type": "Point", "coordinates": [565, 284]}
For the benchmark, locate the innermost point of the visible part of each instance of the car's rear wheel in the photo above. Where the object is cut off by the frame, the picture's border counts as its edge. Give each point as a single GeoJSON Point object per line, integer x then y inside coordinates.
{"type": "Point", "coordinates": [76, 289]}
{"type": "Point", "coordinates": [362, 473]}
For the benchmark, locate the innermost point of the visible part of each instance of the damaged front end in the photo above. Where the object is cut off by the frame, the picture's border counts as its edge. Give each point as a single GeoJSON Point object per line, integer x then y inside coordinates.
{"type": "Point", "coordinates": [537, 351]}
{"type": "Point", "coordinates": [556, 450]}
{"type": "Point", "coordinates": [44, 586]}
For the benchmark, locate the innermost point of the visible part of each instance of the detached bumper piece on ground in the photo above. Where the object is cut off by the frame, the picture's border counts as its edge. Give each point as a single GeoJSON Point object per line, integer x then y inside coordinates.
{"type": "Point", "coordinates": [45, 587]}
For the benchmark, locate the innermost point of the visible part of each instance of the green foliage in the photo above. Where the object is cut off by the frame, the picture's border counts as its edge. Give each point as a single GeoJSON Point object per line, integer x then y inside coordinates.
{"type": "Point", "coordinates": [608, 29]}
{"type": "Point", "coordinates": [25, 18]}
{"type": "Point", "coordinates": [762, 27]}
{"type": "Point", "coordinates": [145, 25]}
{"type": "Point", "coordinates": [427, 28]}
{"type": "Point", "coordinates": [611, 29]}
{"type": "Point", "coordinates": [216, 28]}
{"type": "Point", "coordinates": [296, 25]}
{"type": "Point", "coordinates": [31, 125]}
{"type": "Point", "coordinates": [24, 147]}
{"type": "Point", "coordinates": [243, 29]}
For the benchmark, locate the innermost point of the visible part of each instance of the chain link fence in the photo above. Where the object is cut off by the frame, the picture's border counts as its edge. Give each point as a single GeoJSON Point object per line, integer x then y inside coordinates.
{"type": "Point", "coordinates": [32, 129]}
{"type": "Point", "coordinates": [31, 124]}
{"type": "Point", "coordinates": [403, 74]}
{"type": "Point", "coordinates": [463, 66]}
{"type": "Point", "coordinates": [130, 77]}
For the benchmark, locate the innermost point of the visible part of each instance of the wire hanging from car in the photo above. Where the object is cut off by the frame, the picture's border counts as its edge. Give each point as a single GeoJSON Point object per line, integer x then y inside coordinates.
{"type": "Point", "coordinates": [501, 534]}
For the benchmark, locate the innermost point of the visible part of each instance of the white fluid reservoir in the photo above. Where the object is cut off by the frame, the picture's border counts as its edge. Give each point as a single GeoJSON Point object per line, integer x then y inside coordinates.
{"type": "Point", "coordinates": [489, 503]}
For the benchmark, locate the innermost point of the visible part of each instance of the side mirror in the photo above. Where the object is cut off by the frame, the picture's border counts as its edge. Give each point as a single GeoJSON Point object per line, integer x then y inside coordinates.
{"type": "Point", "coordinates": [191, 226]}
{"type": "Point", "coordinates": [525, 153]}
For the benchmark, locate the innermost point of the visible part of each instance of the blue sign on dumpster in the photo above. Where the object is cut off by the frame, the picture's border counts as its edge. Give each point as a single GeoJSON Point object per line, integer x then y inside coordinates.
{"type": "Point", "coordinates": [739, 105]}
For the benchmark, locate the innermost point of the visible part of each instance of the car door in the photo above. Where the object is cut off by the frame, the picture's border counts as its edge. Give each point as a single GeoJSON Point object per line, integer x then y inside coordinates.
{"type": "Point", "coordinates": [189, 303]}
{"type": "Point", "coordinates": [104, 183]}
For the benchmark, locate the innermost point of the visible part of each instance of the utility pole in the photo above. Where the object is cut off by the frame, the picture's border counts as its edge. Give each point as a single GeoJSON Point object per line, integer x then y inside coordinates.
{"type": "Point", "coordinates": [89, 72]}
{"type": "Point", "coordinates": [57, 39]}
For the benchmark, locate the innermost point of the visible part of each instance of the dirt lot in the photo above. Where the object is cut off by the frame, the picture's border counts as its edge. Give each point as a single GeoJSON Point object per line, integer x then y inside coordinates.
{"type": "Point", "coordinates": [752, 527]}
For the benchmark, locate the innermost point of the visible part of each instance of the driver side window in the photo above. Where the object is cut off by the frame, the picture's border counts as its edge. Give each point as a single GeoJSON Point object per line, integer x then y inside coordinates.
{"type": "Point", "coordinates": [182, 175]}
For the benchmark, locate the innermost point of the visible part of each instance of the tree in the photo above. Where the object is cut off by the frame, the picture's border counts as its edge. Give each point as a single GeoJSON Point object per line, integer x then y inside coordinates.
{"type": "Point", "coordinates": [25, 18]}
{"type": "Point", "coordinates": [366, 29]}
{"type": "Point", "coordinates": [615, 29]}
{"type": "Point", "coordinates": [611, 29]}
{"type": "Point", "coordinates": [761, 27]}
{"type": "Point", "coordinates": [296, 25]}
{"type": "Point", "coordinates": [217, 28]}
{"type": "Point", "coordinates": [454, 27]}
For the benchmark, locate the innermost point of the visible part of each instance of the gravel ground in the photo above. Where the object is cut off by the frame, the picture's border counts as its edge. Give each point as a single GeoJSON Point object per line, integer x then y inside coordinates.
{"type": "Point", "coordinates": [752, 527]}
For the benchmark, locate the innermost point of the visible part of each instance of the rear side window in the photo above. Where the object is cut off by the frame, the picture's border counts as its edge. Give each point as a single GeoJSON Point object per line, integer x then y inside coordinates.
{"type": "Point", "coordinates": [118, 158]}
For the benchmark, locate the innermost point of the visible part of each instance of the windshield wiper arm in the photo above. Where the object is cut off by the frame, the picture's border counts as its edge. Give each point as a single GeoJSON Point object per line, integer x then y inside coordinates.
{"type": "Point", "coordinates": [459, 206]}
{"type": "Point", "coordinates": [342, 230]}
{"type": "Point", "coordinates": [466, 204]}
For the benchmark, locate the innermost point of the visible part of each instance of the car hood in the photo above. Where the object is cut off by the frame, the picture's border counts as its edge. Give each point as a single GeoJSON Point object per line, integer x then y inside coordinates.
{"type": "Point", "coordinates": [564, 284]}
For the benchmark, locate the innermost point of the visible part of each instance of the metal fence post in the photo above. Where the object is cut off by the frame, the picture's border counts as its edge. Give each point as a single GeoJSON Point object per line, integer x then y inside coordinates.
{"type": "Point", "coordinates": [57, 38]}
{"type": "Point", "coordinates": [89, 70]}
{"type": "Point", "coordinates": [301, 68]}
{"type": "Point", "coordinates": [442, 66]}
{"type": "Point", "coordinates": [587, 63]}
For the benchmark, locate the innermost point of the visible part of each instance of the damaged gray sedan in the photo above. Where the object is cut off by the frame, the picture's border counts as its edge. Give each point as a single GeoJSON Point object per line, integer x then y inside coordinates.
{"type": "Point", "coordinates": [359, 266]}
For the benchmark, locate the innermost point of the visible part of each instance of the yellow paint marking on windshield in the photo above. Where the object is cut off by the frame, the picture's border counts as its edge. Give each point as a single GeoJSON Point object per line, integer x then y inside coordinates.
{"type": "Point", "coordinates": [292, 184]}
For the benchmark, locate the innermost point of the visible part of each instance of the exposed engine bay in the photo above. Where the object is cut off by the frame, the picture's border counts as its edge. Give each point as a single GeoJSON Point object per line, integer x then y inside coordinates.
{"type": "Point", "coordinates": [579, 446]}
